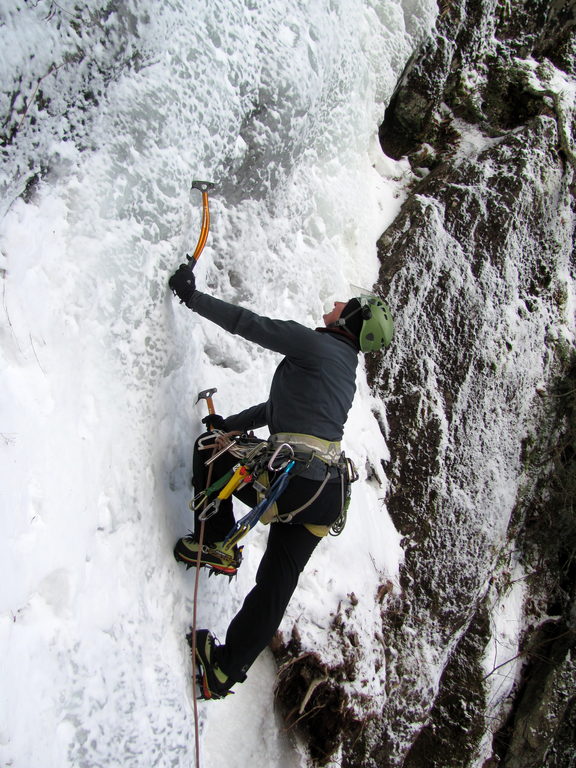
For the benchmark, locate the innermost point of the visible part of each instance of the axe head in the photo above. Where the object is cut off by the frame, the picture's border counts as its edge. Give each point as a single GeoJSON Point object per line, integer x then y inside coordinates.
{"type": "Point", "coordinates": [206, 394]}
{"type": "Point", "coordinates": [203, 186]}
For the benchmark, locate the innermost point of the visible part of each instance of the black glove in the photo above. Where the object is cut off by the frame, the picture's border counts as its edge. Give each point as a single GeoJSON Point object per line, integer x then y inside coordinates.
{"type": "Point", "coordinates": [183, 283]}
{"type": "Point", "coordinates": [213, 421]}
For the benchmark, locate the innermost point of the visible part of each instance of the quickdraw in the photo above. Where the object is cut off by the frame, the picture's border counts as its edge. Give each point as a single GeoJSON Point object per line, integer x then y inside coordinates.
{"type": "Point", "coordinates": [249, 520]}
{"type": "Point", "coordinates": [201, 499]}
{"type": "Point", "coordinates": [239, 475]}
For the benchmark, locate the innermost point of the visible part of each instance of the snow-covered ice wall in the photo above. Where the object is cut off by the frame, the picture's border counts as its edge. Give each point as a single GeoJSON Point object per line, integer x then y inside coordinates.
{"type": "Point", "coordinates": [110, 110]}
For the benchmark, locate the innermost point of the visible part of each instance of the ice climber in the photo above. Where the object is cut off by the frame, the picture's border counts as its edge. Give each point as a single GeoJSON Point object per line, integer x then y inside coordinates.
{"type": "Point", "coordinates": [310, 396]}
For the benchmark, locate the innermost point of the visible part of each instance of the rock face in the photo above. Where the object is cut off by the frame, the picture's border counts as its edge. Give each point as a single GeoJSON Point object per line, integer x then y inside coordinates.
{"type": "Point", "coordinates": [479, 269]}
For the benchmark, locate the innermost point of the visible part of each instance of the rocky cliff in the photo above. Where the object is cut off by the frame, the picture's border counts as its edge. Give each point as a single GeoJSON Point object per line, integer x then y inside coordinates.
{"type": "Point", "coordinates": [478, 644]}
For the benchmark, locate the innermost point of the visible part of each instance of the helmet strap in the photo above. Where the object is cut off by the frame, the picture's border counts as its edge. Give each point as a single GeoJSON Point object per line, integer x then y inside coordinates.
{"type": "Point", "coordinates": [342, 320]}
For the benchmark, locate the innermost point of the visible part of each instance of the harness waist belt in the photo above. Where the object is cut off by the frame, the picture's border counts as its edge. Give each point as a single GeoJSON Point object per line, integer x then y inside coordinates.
{"type": "Point", "coordinates": [326, 451]}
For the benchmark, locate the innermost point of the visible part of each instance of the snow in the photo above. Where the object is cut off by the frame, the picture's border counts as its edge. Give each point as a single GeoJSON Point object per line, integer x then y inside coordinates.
{"type": "Point", "coordinates": [279, 104]}
{"type": "Point", "coordinates": [502, 662]}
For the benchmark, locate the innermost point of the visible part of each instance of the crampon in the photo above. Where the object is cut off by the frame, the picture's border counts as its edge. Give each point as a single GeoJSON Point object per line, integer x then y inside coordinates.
{"type": "Point", "coordinates": [216, 557]}
{"type": "Point", "coordinates": [211, 682]}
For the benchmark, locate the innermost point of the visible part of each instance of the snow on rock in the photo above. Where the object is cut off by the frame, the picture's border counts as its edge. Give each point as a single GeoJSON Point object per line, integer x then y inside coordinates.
{"type": "Point", "coordinates": [480, 267]}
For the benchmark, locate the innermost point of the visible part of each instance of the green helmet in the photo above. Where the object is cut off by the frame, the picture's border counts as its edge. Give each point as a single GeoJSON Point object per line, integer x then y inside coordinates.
{"type": "Point", "coordinates": [377, 327]}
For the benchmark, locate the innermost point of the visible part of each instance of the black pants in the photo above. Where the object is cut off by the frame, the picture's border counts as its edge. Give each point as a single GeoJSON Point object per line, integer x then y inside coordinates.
{"type": "Point", "coordinates": [288, 549]}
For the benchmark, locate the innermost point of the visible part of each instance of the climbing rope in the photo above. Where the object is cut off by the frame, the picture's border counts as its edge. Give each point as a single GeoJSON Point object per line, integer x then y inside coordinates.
{"type": "Point", "coordinates": [204, 187]}
{"type": "Point", "coordinates": [193, 647]}
{"type": "Point", "coordinates": [194, 621]}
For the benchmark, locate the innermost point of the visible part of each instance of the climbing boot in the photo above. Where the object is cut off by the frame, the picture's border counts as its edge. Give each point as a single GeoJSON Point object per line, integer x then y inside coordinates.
{"type": "Point", "coordinates": [212, 681]}
{"type": "Point", "coordinates": [218, 558]}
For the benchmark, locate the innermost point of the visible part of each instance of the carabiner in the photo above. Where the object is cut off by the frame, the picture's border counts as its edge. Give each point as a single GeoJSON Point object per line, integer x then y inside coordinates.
{"type": "Point", "coordinates": [210, 510]}
{"type": "Point", "coordinates": [274, 456]}
{"type": "Point", "coordinates": [198, 500]}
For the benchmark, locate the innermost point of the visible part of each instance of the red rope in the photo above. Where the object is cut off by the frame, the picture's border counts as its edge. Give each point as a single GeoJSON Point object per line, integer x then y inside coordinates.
{"type": "Point", "coordinates": [194, 670]}
{"type": "Point", "coordinates": [194, 615]}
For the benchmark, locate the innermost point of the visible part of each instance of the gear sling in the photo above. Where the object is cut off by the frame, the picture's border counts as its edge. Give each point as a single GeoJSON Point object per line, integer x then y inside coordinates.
{"type": "Point", "coordinates": [269, 465]}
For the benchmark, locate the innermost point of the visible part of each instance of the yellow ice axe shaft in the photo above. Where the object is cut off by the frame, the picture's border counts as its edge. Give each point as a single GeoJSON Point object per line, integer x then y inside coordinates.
{"type": "Point", "coordinates": [240, 476]}
{"type": "Point", "coordinates": [204, 187]}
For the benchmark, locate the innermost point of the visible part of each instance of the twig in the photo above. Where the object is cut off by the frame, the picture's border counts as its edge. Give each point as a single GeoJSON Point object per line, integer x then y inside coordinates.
{"type": "Point", "coordinates": [306, 714]}
{"type": "Point", "coordinates": [311, 688]}
{"type": "Point", "coordinates": [50, 71]}
{"type": "Point", "coordinates": [527, 652]}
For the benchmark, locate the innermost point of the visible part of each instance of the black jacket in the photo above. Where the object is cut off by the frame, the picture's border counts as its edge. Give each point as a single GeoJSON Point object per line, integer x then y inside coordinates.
{"type": "Point", "coordinates": [313, 387]}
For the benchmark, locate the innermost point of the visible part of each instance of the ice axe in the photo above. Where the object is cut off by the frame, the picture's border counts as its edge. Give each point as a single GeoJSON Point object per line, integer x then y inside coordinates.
{"type": "Point", "coordinates": [206, 394]}
{"type": "Point", "coordinates": [204, 187]}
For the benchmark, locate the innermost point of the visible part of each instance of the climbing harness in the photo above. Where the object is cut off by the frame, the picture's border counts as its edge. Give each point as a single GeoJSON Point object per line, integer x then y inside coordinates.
{"type": "Point", "coordinates": [286, 455]}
